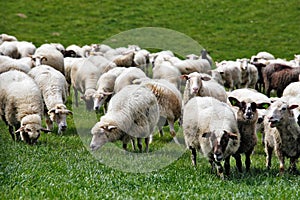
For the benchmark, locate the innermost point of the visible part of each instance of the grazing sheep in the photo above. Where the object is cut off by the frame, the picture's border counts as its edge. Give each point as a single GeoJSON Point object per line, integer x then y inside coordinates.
{"type": "Point", "coordinates": [127, 77]}
{"type": "Point", "coordinates": [199, 85]}
{"type": "Point", "coordinates": [9, 49]}
{"type": "Point", "coordinates": [54, 87]}
{"type": "Point", "coordinates": [105, 87]}
{"type": "Point", "coordinates": [125, 60]}
{"type": "Point", "coordinates": [282, 134]}
{"type": "Point", "coordinates": [210, 127]}
{"type": "Point", "coordinates": [47, 54]}
{"type": "Point", "coordinates": [102, 63]}
{"type": "Point", "coordinates": [247, 117]}
{"type": "Point", "coordinates": [231, 74]}
{"type": "Point", "coordinates": [277, 76]}
{"type": "Point", "coordinates": [21, 106]}
{"type": "Point", "coordinates": [169, 100]}
{"type": "Point", "coordinates": [132, 113]}
{"type": "Point", "coordinates": [7, 38]}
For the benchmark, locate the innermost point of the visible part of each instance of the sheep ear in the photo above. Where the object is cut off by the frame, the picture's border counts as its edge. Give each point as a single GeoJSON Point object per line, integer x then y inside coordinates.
{"type": "Point", "coordinates": [45, 130]}
{"type": "Point", "coordinates": [263, 105]}
{"type": "Point", "coordinates": [232, 136]}
{"type": "Point", "coordinates": [185, 77]}
{"type": "Point", "coordinates": [83, 98]}
{"type": "Point", "coordinates": [107, 93]}
{"type": "Point", "coordinates": [68, 112]}
{"type": "Point", "coordinates": [293, 106]}
{"type": "Point", "coordinates": [51, 111]}
{"type": "Point", "coordinates": [206, 135]}
{"type": "Point", "coordinates": [109, 127]}
{"type": "Point", "coordinates": [205, 78]}
{"type": "Point", "coordinates": [234, 101]}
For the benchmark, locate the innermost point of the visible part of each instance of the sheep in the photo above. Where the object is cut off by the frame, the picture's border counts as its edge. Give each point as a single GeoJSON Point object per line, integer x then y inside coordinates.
{"type": "Point", "coordinates": [127, 77]}
{"type": "Point", "coordinates": [75, 49]}
{"type": "Point", "coordinates": [105, 87]}
{"type": "Point", "coordinates": [188, 66]}
{"type": "Point", "coordinates": [249, 73]}
{"type": "Point", "coordinates": [21, 106]}
{"type": "Point", "coordinates": [132, 113]}
{"type": "Point", "coordinates": [9, 49]}
{"type": "Point", "coordinates": [25, 48]}
{"type": "Point", "coordinates": [102, 63]}
{"type": "Point", "coordinates": [210, 127]}
{"type": "Point", "coordinates": [14, 64]}
{"type": "Point", "coordinates": [231, 74]}
{"type": "Point", "coordinates": [124, 60]}
{"type": "Point", "coordinates": [47, 54]}
{"type": "Point", "coordinates": [292, 94]}
{"type": "Point", "coordinates": [282, 134]}
{"type": "Point", "coordinates": [8, 38]}
{"type": "Point", "coordinates": [169, 101]}
{"type": "Point", "coordinates": [141, 60]}
{"type": "Point", "coordinates": [247, 117]}
{"type": "Point", "coordinates": [54, 87]}
{"type": "Point", "coordinates": [216, 76]}
{"type": "Point", "coordinates": [205, 55]}
{"type": "Point", "coordinates": [278, 76]}
{"type": "Point", "coordinates": [199, 85]}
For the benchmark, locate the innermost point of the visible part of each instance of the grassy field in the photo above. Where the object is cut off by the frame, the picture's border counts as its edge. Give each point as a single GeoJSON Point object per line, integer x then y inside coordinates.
{"type": "Point", "coordinates": [61, 167]}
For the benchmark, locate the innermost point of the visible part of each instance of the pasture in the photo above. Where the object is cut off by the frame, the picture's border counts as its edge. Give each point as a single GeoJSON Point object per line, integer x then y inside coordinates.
{"type": "Point", "coordinates": [61, 166]}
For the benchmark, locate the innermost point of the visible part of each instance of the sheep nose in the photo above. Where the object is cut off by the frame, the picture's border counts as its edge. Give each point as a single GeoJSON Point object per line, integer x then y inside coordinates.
{"type": "Point", "coordinates": [63, 127]}
{"type": "Point", "coordinates": [96, 107]}
{"type": "Point", "coordinates": [195, 89]}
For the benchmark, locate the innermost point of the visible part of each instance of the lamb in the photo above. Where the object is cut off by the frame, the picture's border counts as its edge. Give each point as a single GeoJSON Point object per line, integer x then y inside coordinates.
{"type": "Point", "coordinates": [47, 54]}
{"type": "Point", "coordinates": [54, 87]}
{"type": "Point", "coordinates": [132, 113]}
{"type": "Point", "coordinates": [231, 74]}
{"type": "Point", "coordinates": [210, 127]}
{"type": "Point", "coordinates": [199, 85]}
{"type": "Point", "coordinates": [282, 134]}
{"type": "Point", "coordinates": [278, 77]}
{"type": "Point", "coordinates": [21, 106]}
{"type": "Point", "coordinates": [169, 101]}
{"type": "Point", "coordinates": [105, 87]}
{"type": "Point", "coordinates": [247, 117]}
{"type": "Point", "coordinates": [8, 38]}
{"type": "Point", "coordinates": [127, 77]}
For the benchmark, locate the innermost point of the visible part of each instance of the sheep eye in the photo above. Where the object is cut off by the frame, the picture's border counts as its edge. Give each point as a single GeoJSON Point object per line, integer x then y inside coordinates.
{"type": "Point", "coordinates": [284, 108]}
{"type": "Point", "coordinates": [28, 130]}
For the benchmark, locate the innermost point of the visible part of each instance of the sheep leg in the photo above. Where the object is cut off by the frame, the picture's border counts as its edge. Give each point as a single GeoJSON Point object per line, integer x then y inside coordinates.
{"type": "Point", "coordinates": [76, 97]}
{"type": "Point", "coordinates": [194, 156]}
{"type": "Point", "coordinates": [133, 143]}
{"type": "Point", "coordinates": [220, 170]}
{"type": "Point", "coordinates": [269, 151]}
{"type": "Point", "coordinates": [49, 123]}
{"type": "Point", "coordinates": [281, 162]}
{"type": "Point", "coordinates": [12, 133]}
{"type": "Point", "coordinates": [248, 160]}
{"type": "Point", "coordinates": [172, 130]}
{"type": "Point", "coordinates": [293, 168]}
{"type": "Point", "coordinates": [238, 162]}
{"type": "Point", "coordinates": [147, 144]}
{"type": "Point", "coordinates": [227, 166]}
{"type": "Point", "coordinates": [140, 146]}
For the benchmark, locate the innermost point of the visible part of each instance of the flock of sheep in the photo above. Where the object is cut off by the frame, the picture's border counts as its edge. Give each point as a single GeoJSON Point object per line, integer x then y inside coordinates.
{"type": "Point", "coordinates": [223, 106]}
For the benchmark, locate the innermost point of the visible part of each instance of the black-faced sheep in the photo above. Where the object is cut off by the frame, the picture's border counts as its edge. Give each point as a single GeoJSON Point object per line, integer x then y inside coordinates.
{"type": "Point", "coordinates": [132, 113]}
{"type": "Point", "coordinates": [210, 127]}
{"type": "Point", "coordinates": [21, 106]}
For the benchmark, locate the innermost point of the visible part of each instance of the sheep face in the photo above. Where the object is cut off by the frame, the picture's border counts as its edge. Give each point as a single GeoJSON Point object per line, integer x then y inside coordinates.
{"type": "Point", "coordinates": [37, 60]}
{"type": "Point", "coordinates": [100, 134]}
{"type": "Point", "coordinates": [59, 115]}
{"type": "Point", "coordinates": [99, 98]}
{"type": "Point", "coordinates": [219, 144]}
{"type": "Point", "coordinates": [195, 81]}
{"type": "Point", "coordinates": [278, 111]}
{"type": "Point", "coordinates": [88, 98]}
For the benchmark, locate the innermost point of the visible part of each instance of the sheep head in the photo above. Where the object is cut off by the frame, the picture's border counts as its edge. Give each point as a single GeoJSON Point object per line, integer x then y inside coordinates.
{"type": "Point", "coordinates": [59, 114]}
{"type": "Point", "coordinates": [195, 81]}
{"type": "Point", "coordinates": [99, 98]}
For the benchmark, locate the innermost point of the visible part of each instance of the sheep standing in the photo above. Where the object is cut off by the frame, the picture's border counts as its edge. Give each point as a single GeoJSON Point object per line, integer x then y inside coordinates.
{"type": "Point", "coordinates": [54, 90]}
{"type": "Point", "coordinates": [292, 94]}
{"type": "Point", "coordinates": [249, 73]}
{"type": "Point", "coordinates": [199, 85]}
{"type": "Point", "coordinates": [282, 134]}
{"type": "Point", "coordinates": [132, 113]}
{"type": "Point", "coordinates": [247, 117]}
{"type": "Point", "coordinates": [21, 105]}
{"type": "Point", "coordinates": [210, 127]}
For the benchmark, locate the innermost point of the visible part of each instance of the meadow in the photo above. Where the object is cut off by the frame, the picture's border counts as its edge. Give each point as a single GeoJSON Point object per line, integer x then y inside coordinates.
{"type": "Point", "coordinates": [62, 167]}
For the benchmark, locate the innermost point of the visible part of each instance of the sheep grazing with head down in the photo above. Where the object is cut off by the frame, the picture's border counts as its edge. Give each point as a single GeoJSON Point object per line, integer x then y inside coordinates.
{"type": "Point", "coordinates": [54, 90]}
{"type": "Point", "coordinates": [132, 113]}
{"type": "Point", "coordinates": [21, 106]}
{"type": "Point", "coordinates": [247, 102]}
{"type": "Point", "coordinates": [282, 134]}
{"type": "Point", "coordinates": [202, 85]}
{"type": "Point", "coordinates": [210, 127]}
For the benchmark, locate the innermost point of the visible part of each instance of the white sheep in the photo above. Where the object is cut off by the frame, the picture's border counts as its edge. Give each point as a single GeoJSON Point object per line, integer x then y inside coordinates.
{"type": "Point", "coordinates": [25, 48]}
{"type": "Point", "coordinates": [292, 94]}
{"type": "Point", "coordinates": [9, 49]}
{"type": "Point", "coordinates": [202, 85]}
{"type": "Point", "coordinates": [132, 113]}
{"type": "Point", "coordinates": [105, 87]}
{"type": "Point", "coordinates": [169, 101]}
{"type": "Point", "coordinates": [210, 127]}
{"type": "Point", "coordinates": [47, 54]}
{"type": "Point", "coordinates": [188, 66]}
{"type": "Point", "coordinates": [8, 38]}
{"type": "Point", "coordinates": [21, 105]}
{"type": "Point", "coordinates": [127, 77]}
{"type": "Point", "coordinates": [282, 134]}
{"type": "Point", "coordinates": [54, 90]}
{"type": "Point", "coordinates": [22, 64]}
{"type": "Point", "coordinates": [247, 101]}
{"type": "Point", "coordinates": [249, 73]}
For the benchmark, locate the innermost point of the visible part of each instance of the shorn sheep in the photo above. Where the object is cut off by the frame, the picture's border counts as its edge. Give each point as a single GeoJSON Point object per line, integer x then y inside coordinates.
{"type": "Point", "coordinates": [247, 117]}
{"type": "Point", "coordinates": [210, 127]}
{"type": "Point", "coordinates": [285, 139]}
{"type": "Point", "coordinates": [54, 90]}
{"type": "Point", "coordinates": [132, 113]}
{"type": "Point", "coordinates": [21, 106]}
{"type": "Point", "coordinates": [200, 85]}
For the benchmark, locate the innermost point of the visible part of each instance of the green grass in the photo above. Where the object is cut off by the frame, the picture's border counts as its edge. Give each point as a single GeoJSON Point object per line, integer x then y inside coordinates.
{"type": "Point", "coordinates": [61, 167]}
